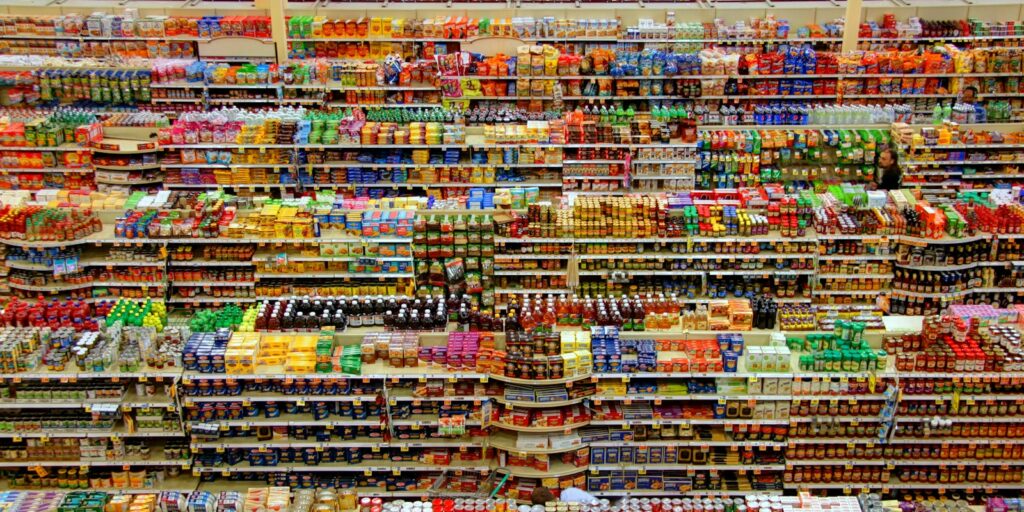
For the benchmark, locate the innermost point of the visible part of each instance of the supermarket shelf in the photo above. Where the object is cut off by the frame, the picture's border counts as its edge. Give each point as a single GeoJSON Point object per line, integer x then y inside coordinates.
{"type": "Point", "coordinates": [49, 288]}
{"type": "Point", "coordinates": [216, 301]}
{"type": "Point", "coordinates": [597, 399]}
{"type": "Point", "coordinates": [295, 420]}
{"type": "Point", "coordinates": [837, 418]}
{"type": "Point", "coordinates": [99, 434]}
{"type": "Point", "coordinates": [98, 463]}
{"type": "Point", "coordinates": [540, 382]}
{"type": "Point", "coordinates": [181, 483]}
{"type": "Point", "coordinates": [992, 176]}
{"type": "Point", "coordinates": [47, 170]}
{"type": "Point", "coordinates": [139, 167]}
{"type": "Point", "coordinates": [556, 469]}
{"type": "Point", "coordinates": [846, 292]}
{"type": "Point", "coordinates": [963, 419]}
{"type": "Point", "coordinates": [697, 256]}
{"type": "Point", "coordinates": [460, 165]}
{"type": "Point", "coordinates": [534, 429]}
{"type": "Point", "coordinates": [903, 485]}
{"type": "Point", "coordinates": [276, 397]}
{"type": "Point", "coordinates": [700, 443]}
{"type": "Point", "coordinates": [836, 462]}
{"type": "Point", "coordinates": [209, 263]}
{"type": "Point", "coordinates": [853, 276]}
{"type": "Point", "coordinates": [642, 272]}
{"type": "Point", "coordinates": [270, 258]}
{"type": "Point", "coordinates": [226, 166]}
{"type": "Point", "coordinates": [687, 421]}
{"type": "Point", "coordinates": [128, 284]}
{"type": "Point", "coordinates": [528, 405]}
{"type": "Point", "coordinates": [65, 147]}
{"type": "Point", "coordinates": [964, 162]}
{"type": "Point", "coordinates": [678, 467]}
{"type": "Point", "coordinates": [531, 290]}
{"type": "Point", "coordinates": [247, 443]}
{"type": "Point", "coordinates": [508, 443]}
{"type": "Point", "coordinates": [373, 466]}
{"type": "Point", "coordinates": [533, 256]}
{"type": "Point", "coordinates": [330, 275]}
{"type": "Point", "coordinates": [247, 284]}
{"type": "Point", "coordinates": [699, 493]}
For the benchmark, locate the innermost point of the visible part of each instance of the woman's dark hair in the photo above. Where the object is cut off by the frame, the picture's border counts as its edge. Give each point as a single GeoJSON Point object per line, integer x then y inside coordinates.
{"type": "Point", "coordinates": [541, 495]}
{"type": "Point", "coordinates": [892, 154]}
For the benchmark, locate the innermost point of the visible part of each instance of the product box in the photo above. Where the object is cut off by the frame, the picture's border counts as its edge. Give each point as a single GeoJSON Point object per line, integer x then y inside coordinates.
{"type": "Point", "coordinates": [584, 362]}
{"type": "Point", "coordinates": [621, 435]}
{"type": "Point", "coordinates": [611, 456]}
{"type": "Point", "coordinates": [599, 483]}
{"type": "Point", "coordinates": [561, 441]}
{"type": "Point", "coordinates": [555, 394]}
{"type": "Point", "coordinates": [542, 462]}
{"type": "Point", "coordinates": [548, 418]}
{"type": "Point", "coordinates": [641, 455]}
{"type": "Point", "coordinates": [527, 441]}
{"type": "Point", "coordinates": [597, 454]}
{"type": "Point", "coordinates": [671, 455]}
{"type": "Point", "coordinates": [618, 483]}
{"type": "Point", "coordinates": [785, 387]}
{"type": "Point", "coordinates": [657, 454]}
{"type": "Point", "coordinates": [651, 482]}
{"type": "Point", "coordinates": [626, 455]}
{"type": "Point", "coordinates": [674, 483]}
{"type": "Point", "coordinates": [782, 410]}
{"type": "Point", "coordinates": [570, 365]}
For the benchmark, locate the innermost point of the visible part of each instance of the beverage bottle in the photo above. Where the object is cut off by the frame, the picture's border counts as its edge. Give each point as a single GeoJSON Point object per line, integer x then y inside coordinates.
{"type": "Point", "coordinates": [527, 322]}
{"type": "Point", "coordinates": [639, 317]}
{"type": "Point", "coordinates": [549, 318]}
{"type": "Point", "coordinates": [512, 323]}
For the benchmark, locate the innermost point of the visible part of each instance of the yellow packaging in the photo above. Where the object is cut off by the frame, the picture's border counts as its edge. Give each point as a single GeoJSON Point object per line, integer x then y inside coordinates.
{"type": "Point", "coordinates": [584, 360]}
{"type": "Point", "coordinates": [613, 388]}
{"type": "Point", "coordinates": [568, 342]}
{"type": "Point", "coordinates": [570, 362]}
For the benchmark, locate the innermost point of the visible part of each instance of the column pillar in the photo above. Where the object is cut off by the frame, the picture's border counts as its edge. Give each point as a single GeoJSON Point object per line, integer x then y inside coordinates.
{"type": "Point", "coordinates": [278, 27]}
{"type": "Point", "coordinates": [854, 13]}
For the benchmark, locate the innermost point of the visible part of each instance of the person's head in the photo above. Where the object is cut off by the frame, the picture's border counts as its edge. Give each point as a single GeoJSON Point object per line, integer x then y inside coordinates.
{"type": "Point", "coordinates": [541, 495]}
{"type": "Point", "coordinates": [969, 94]}
{"type": "Point", "coordinates": [887, 159]}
